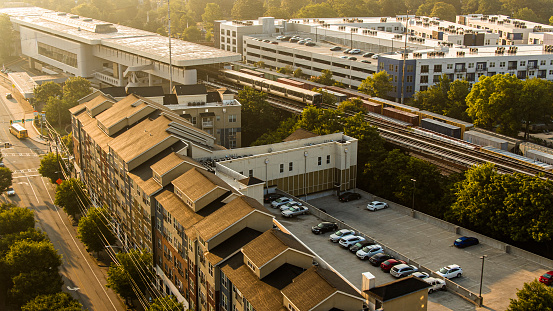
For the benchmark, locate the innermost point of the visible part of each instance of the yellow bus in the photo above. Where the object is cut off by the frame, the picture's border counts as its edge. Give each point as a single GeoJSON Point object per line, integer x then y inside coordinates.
{"type": "Point", "coordinates": [18, 131]}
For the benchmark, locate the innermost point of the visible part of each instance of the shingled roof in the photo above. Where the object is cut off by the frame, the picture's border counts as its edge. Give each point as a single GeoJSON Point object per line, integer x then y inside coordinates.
{"type": "Point", "coordinates": [269, 245]}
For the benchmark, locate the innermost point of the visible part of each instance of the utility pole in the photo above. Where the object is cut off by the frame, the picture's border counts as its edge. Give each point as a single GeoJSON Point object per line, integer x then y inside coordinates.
{"type": "Point", "coordinates": [170, 55]}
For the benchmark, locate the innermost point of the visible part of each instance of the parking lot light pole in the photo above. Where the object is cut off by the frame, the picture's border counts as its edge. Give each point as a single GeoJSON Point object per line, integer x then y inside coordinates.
{"type": "Point", "coordinates": [414, 187]}
{"type": "Point", "coordinates": [481, 278]}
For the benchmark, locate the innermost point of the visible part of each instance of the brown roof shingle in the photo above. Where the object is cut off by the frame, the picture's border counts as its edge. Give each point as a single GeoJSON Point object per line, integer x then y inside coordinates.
{"type": "Point", "coordinates": [196, 183]}
{"type": "Point", "coordinates": [180, 211]}
{"type": "Point", "coordinates": [121, 110]}
{"type": "Point", "coordinates": [269, 245]}
{"type": "Point", "coordinates": [300, 134]}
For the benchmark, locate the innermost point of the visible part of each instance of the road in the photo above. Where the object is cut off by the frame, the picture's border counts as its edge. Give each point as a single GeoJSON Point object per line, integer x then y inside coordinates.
{"type": "Point", "coordinates": [80, 271]}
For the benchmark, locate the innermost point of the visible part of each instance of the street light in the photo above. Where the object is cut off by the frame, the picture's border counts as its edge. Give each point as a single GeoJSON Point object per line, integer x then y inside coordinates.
{"type": "Point", "coordinates": [414, 187]}
{"type": "Point", "coordinates": [481, 278]}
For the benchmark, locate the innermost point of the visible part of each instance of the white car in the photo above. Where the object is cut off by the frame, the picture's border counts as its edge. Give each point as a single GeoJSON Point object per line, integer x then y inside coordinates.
{"type": "Point", "coordinates": [355, 51]}
{"type": "Point", "coordinates": [295, 210]}
{"type": "Point", "coordinates": [435, 284]}
{"type": "Point", "coordinates": [350, 240]}
{"type": "Point", "coordinates": [420, 275]}
{"type": "Point", "coordinates": [289, 204]}
{"type": "Point", "coordinates": [336, 236]}
{"type": "Point", "coordinates": [451, 271]}
{"type": "Point", "coordinates": [369, 251]}
{"type": "Point", "coordinates": [402, 270]}
{"type": "Point", "coordinates": [376, 205]}
{"type": "Point", "coordinates": [10, 192]}
{"type": "Point", "coordinates": [280, 201]}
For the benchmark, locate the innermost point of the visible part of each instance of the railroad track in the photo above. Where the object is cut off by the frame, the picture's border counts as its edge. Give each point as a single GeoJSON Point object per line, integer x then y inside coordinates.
{"type": "Point", "coordinates": [426, 146]}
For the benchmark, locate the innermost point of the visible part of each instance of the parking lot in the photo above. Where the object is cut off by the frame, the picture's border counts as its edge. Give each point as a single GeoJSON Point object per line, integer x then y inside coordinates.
{"type": "Point", "coordinates": [427, 244]}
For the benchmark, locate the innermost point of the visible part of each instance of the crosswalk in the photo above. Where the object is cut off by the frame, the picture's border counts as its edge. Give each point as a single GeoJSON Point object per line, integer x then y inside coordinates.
{"type": "Point", "coordinates": [20, 155]}
{"type": "Point", "coordinates": [25, 171]}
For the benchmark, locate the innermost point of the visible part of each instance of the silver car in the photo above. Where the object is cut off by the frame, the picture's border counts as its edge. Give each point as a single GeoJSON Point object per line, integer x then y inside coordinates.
{"type": "Point", "coordinates": [336, 236]}
{"type": "Point", "coordinates": [376, 205]}
{"type": "Point", "coordinates": [402, 270]}
{"type": "Point", "coordinates": [10, 192]}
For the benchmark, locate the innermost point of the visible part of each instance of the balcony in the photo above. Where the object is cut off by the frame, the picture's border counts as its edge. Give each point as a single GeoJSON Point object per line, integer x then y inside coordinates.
{"type": "Point", "coordinates": [460, 69]}
{"type": "Point", "coordinates": [512, 67]}
{"type": "Point", "coordinates": [207, 124]}
{"type": "Point", "coordinates": [533, 67]}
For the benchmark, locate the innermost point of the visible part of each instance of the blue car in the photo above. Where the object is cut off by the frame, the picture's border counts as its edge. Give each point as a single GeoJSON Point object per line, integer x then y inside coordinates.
{"type": "Point", "coordinates": [465, 241]}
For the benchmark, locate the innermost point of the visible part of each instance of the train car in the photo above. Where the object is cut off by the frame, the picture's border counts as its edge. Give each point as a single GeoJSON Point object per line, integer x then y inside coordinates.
{"type": "Point", "coordinates": [482, 139]}
{"type": "Point", "coordinates": [293, 83]}
{"type": "Point", "coordinates": [404, 116]}
{"type": "Point", "coordinates": [465, 126]}
{"type": "Point", "coordinates": [526, 160]}
{"type": "Point", "coordinates": [388, 103]}
{"type": "Point", "coordinates": [350, 93]}
{"type": "Point", "coordinates": [389, 120]}
{"type": "Point", "coordinates": [340, 97]}
{"type": "Point", "coordinates": [372, 107]}
{"type": "Point", "coordinates": [445, 138]}
{"type": "Point", "coordinates": [273, 87]}
{"type": "Point", "coordinates": [441, 127]}
{"type": "Point", "coordinates": [540, 156]}
{"type": "Point", "coordinates": [252, 72]}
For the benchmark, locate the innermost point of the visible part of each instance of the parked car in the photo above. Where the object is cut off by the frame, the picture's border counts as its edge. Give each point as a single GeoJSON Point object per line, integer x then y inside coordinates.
{"type": "Point", "coordinates": [376, 205]}
{"type": "Point", "coordinates": [379, 258]}
{"type": "Point", "coordinates": [10, 192]}
{"type": "Point", "coordinates": [295, 210]}
{"type": "Point", "coordinates": [403, 270]}
{"type": "Point", "coordinates": [1, 164]}
{"type": "Point", "coordinates": [267, 41]}
{"type": "Point", "coordinates": [270, 197]}
{"type": "Point", "coordinates": [451, 271]}
{"type": "Point", "coordinates": [465, 241]}
{"type": "Point", "coordinates": [280, 201]}
{"type": "Point", "coordinates": [9, 96]}
{"type": "Point", "coordinates": [336, 236]}
{"type": "Point", "coordinates": [368, 54]}
{"type": "Point", "coordinates": [350, 240]}
{"type": "Point", "coordinates": [294, 40]}
{"type": "Point", "coordinates": [359, 245]}
{"type": "Point", "coordinates": [368, 251]}
{"type": "Point", "coordinates": [286, 206]}
{"type": "Point", "coordinates": [344, 57]}
{"type": "Point", "coordinates": [274, 42]}
{"type": "Point", "coordinates": [366, 61]}
{"type": "Point", "coordinates": [324, 227]}
{"type": "Point", "coordinates": [374, 56]}
{"type": "Point", "coordinates": [346, 51]}
{"type": "Point", "coordinates": [302, 42]}
{"type": "Point", "coordinates": [309, 43]}
{"type": "Point", "coordinates": [308, 39]}
{"type": "Point", "coordinates": [420, 275]}
{"type": "Point", "coordinates": [547, 278]}
{"type": "Point", "coordinates": [388, 264]}
{"type": "Point", "coordinates": [355, 51]}
{"type": "Point", "coordinates": [348, 196]}
{"type": "Point", "coordinates": [352, 58]}
{"type": "Point", "coordinates": [335, 48]}
{"type": "Point", "coordinates": [435, 284]}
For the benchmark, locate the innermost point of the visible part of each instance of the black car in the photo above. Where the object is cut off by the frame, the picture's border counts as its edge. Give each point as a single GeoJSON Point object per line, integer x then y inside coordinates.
{"type": "Point", "coordinates": [348, 196]}
{"type": "Point", "coordinates": [324, 227]}
{"type": "Point", "coordinates": [346, 51]}
{"type": "Point", "coordinates": [377, 259]}
{"type": "Point", "coordinates": [270, 197]}
{"type": "Point", "coordinates": [369, 54]}
{"type": "Point", "coordinates": [359, 245]}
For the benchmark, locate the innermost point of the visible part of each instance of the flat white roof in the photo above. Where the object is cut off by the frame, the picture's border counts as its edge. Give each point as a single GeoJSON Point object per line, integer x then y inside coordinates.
{"type": "Point", "coordinates": [140, 42]}
{"type": "Point", "coordinates": [483, 51]}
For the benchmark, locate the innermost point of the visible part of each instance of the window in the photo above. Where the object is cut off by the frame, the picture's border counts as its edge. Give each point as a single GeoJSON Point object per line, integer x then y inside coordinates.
{"type": "Point", "coordinates": [391, 67]}
{"type": "Point", "coordinates": [423, 88]}
{"type": "Point", "coordinates": [501, 64]}
{"type": "Point", "coordinates": [319, 161]}
{"type": "Point", "coordinates": [194, 120]}
{"type": "Point", "coordinates": [551, 72]}
{"type": "Point", "coordinates": [449, 66]}
{"type": "Point", "coordinates": [409, 89]}
{"type": "Point", "coordinates": [282, 168]}
{"type": "Point", "coordinates": [290, 166]}
{"type": "Point", "coordinates": [409, 79]}
{"type": "Point", "coordinates": [222, 31]}
{"type": "Point", "coordinates": [409, 68]}
{"type": "Point", "coordinates": [424, 68]}
{"type": "Point", "coordinates": [228, 32]}
{"type": "Point", "coordinates": [436, 78]}
{"type": "Point", "coordinates": [223, 39]}
{"type": "Point", "coordinates": [437, 68]}
{"type": "Point", "coordinates": [424, 79]}
{"type": "Point", "coordinates": [232, 118]}
{"type": "Point", "coordinates": [471, 65]}
{"type": "Point", "coordinates": [395, 78]}
{"type": "Point", "coordinates": [250, 173]}
{"type": "Point", "coordinates": [395, 69]}
{"type": "Point", "coordinates": [492, 64]}
{"type": "Point", "coordinates": [234, 33]}
{"type": "Point", "coordinates": [328, 159]}
{"type": "Point", "coordinates": [542, 62]}
{"type": "Point", "coordinates": [523, 63]}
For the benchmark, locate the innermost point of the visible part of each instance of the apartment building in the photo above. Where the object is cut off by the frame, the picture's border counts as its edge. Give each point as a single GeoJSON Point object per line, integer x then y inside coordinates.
{"type": "Point", "coordinates": [458, 34]}
{"type": "Point", "coordinates": [424, 68]}
{"type": "Point", "coordinates": [511, 31]}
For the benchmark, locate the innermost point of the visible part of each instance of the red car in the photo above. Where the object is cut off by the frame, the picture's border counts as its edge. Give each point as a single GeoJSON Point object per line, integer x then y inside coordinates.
{"type": "Point", "coordinates": [547, 278]}
{"type": "Point", "coordinates": [388, 264]}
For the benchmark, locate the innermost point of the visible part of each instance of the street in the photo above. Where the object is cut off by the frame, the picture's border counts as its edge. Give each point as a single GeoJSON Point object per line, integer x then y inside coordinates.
{"type": "Point", "coordinates": [82, 276]}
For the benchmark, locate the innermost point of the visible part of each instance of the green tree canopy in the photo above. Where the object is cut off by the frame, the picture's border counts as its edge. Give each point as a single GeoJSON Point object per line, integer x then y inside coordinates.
{"type": "Point", "coordinates": [167, 303]}
{"type": "Point", "coordinates": [6, 179]}
{"type": "Point", "coordinates": [135, 265]}
{"type": "Point", "coordinates": [14, 219]}
{"type": "Point", "coordinates": [353, 106]}
{"type": "Point", "coordinates": [533, 296]}
{"type": "Point", "coordinates": [444, 11]}
{"type": "Point", "coordinates": [94, 230]}
{"type": "Point", "coordinates": [50, 167]}
{"type": "Point", "coordinates": [46, 90]}
{"type": "Point", "coordinates": [316, 10]}
{"type": "Point", "coordinates": [57, 111]}
{"type": "Point", "coordinates": [445, 97]}
{"type": "Point", "coordinates": [192, 34]}
{"type": "Point", "coordinates": [71, 196]}
{"type": "Point", "coordinates": [74, 89]}
{"type": "Point", "coordinates": [325, 78]}
{"type": "Point", "coordinates": [28, 285]}
{"type": "Point", "coordinates": [25, 256]}
{"type": "Point", "coordinates": [378, 85]}
{"type": "Point", "coordinates": [247, 9]}
{"type": "Point", "coordinates": [8, 38]}
{"type": "Point", "coordinates": [53, 302]}
{"type": "Point", "coordinates": [212, 13]}
{"type": "Point", "coordinates": [8, 239]}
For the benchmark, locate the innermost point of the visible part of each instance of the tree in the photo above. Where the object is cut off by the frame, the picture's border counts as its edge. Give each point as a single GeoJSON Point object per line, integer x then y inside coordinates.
{"type": "Point", "coordinates": [532, 296]}
{"type": "Point", "coordinates": [167, 303]}
{"type": "Point", "coordinates": [46, 90]}
{"type": "Point", "coordinates": [444, 11]}
{"type": "Point", "coordinates": [74, 89]}
{"type": "Point", "coordinates": [325, 78]}
{"type": "Point", "coordinates": [535, 105]}
{"type": "Point", "coordinates": [445, 97]}
{"type": "Point", "coordinates": [136, 265]}
{"type": "Point", "coordinates": [68, 142]}
{"type": "Point", "coordinates": [316, 10]}
{"type": "Point", "coordinates": [348, 8]}
{"type": "Point", "coordinates": [298, 73]}
{"type": "Point", "coordinates": [285, 70]}
{"type": "Point", "coordinates": [8, 38]}
{"type": "Point", "coordinates": [212, 13]}
{"type": "Point", "coordinates": [527, 15]}
{"type": "Point", "coordinates": [260, 64]}
{"type": "Point", "coordinates": [192, 34]}
{"type": "Point", "coordinates": [31, 234]}
{"type": "Point", "coordinates": [94, 229]}
{"type": "Point", "coordinates": [70, 195]}
{"type": "Point", "coordinates": [53, 302]}
{"type": "Point", "coordinates": [247, 9]}
{"type": "Point", "coordinates": [353, 106]}
{"type": "Point", "coordinates": [15, 219]}
{"type": "Point", "coordinates": [86, 9]}
{"type": "Point", "coordinates": [50, 167]}
{"type": "Point", "coordinates": [327, 98]}
{"type": "Point", "coordinates": [57, 110]}
{"type": "Point", "coordinates": [28, 285]}
{"type": "Point", "coordinates": [27, 256]}
{"type": "Point", "coordinates": [6, 179]}
{"type": "Point", "coordinates": [378, 85]}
